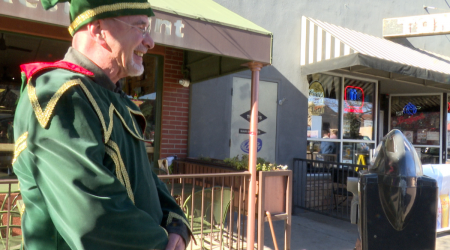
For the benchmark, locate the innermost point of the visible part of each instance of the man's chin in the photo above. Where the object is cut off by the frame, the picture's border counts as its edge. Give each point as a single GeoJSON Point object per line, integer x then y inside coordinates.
{"type": "Point", "coordinates": [135, 71]}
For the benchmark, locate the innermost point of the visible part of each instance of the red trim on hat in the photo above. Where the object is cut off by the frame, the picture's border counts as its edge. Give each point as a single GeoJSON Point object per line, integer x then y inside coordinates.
{"type": "Point", "coordinates": [32, 68]}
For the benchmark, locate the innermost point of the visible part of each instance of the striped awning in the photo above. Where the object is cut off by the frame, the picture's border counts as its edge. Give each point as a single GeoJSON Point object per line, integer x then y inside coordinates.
{"type": "Point", "coordinates": [327, 47]}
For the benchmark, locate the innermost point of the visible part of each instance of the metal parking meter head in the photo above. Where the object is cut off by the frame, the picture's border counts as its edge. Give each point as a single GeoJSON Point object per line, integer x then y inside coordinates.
{"type": "Point", "coordinates": [397, 166]}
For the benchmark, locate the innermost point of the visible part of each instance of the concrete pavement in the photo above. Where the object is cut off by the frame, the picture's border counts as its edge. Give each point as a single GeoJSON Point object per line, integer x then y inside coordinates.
{"type": "Point", "coordinates": [313, 231]}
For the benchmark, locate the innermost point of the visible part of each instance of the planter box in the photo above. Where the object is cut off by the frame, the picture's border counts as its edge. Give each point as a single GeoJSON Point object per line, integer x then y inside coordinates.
{"type": "Point", "coordinates": [195, 166]}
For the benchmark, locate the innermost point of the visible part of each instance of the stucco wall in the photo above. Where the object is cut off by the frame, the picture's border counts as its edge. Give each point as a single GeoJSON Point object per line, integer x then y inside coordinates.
{"type": "Point", "coordinates": [209, 118]}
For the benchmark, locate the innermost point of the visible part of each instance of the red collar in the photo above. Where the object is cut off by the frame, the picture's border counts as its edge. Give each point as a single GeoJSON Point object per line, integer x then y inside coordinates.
{"type": "Point", "coordinates": [32, 68]}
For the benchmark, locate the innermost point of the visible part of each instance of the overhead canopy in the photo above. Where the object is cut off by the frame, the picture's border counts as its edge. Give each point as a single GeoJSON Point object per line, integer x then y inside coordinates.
{"type": "Point", "coordinates": [217, 41]}
{"type": "Point", "coordinates": [327, 47]}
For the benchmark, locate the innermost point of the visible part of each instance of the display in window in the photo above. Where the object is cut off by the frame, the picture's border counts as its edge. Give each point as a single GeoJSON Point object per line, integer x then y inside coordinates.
{"type": "Point", "coordinates": [358, 109]}
{"type": "Point", "coordinates": [409, 135]}
{"type": "Point", "coordinates": [418, 117]}
{"type": "Point", "coordinates": [421, 136]}
{"type": "Point", "coordinates": [354, 99]}
{"type": "Point", "coordinates": [142, 91]}
{"type": "Point", "coordinates": [316, 98]}
{"type": "Point", "coordinates": [323, 104]}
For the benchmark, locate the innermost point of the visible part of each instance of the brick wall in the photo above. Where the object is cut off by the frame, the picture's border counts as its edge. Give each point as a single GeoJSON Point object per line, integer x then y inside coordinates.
{"type": "Point", "coordinates": [175, 107]}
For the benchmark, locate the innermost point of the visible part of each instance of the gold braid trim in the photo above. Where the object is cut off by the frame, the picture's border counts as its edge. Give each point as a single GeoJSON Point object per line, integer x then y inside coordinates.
{"type": "Point", "coordinates": [135, 133]}
{"type": "Point", "coordinates": [177, 216]}
{"type": "Point", "coordinates": [44, 116]}
{"type": "Point", "coordinates": [102, 9]}
{"type": "Point", "coordinates": [21, 145]}
{"type": "Point", "coordinates": [108, 130]}
{"type": "Point", "coordinates": [117, 158]}
{"type": "Point", "coordinates": [139, 114]}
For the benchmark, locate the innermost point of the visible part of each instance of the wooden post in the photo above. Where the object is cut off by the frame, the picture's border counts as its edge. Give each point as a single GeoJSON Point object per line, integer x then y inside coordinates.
{"type": "Point", "coordinates": [255, 67]}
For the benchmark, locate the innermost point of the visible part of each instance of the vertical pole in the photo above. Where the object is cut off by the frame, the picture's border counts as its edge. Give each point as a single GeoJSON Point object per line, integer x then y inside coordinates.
{"type": "Point", "coordinates": [255, 67]}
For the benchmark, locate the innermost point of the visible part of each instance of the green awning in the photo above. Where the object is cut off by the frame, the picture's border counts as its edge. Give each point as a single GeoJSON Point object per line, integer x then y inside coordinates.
{"type": "Point", "coordinates": [216, 40]}
{"type": "Point", "coordinates": [207, 11]}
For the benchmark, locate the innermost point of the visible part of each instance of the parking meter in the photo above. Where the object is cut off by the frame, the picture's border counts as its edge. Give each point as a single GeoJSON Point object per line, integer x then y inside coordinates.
{"type": "Point", "coordinates": [397, 204]}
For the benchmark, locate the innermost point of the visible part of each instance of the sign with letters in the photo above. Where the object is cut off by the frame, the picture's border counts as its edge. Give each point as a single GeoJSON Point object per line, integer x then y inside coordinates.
{"type": "Point", "coordinates": [423, 25]}
{"type": "Point", "coordinates": [354, 99]}
{"type": "Point", "coordinates": [316, 104]}
{"type": "Point", "coordinates": [166, 28]}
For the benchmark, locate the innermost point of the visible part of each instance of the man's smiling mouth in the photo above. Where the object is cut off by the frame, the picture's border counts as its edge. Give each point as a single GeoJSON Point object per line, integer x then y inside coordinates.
{"type": "Point", "coordinates": [141, 54]}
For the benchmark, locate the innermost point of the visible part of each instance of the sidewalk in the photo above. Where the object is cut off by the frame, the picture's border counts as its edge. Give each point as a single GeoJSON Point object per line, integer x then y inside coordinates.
{"type": "Point", "coordinates": [313, 231]}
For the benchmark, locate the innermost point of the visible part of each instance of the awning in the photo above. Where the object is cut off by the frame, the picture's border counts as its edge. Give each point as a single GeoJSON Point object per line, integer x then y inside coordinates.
{"type": "Point", "coordinates": [224, 39]}
{"type": "Point", "coordinates": [217, 41]}
{"type": "Point", "coordinates": [327, 47]}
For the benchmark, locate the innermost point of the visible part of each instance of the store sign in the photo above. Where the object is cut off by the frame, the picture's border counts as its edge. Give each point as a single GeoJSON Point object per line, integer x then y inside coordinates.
{"type": "Point", "coordinates": [410, 109]}
{"type": "Point", "coordinates": [33, 10]}
{"type": "Point", "coordinates": [354, 99]}
{"type": "Point", "coordinates": [59, 15]}
{"type": "Point", "coordinates": [167, 29]}
{"type": "Point", "coordinates": [409, 120]}
{"type": "Point", "coordinates": [424, 25]}
{"type": "Point", "coordinates": [245, 145]}
{"type": "Point", "coordinates": [316, 98]}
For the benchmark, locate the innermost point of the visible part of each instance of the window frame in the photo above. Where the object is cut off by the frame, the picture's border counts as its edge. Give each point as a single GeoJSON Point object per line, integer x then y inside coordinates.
{"type": "Point", "coordinates": [375, 113]}
{"type": "Point", "coordinates": [441, 96]}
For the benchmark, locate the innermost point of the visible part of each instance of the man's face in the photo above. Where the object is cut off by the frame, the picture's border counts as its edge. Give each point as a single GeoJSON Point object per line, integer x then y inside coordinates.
{"type": "Point", "coordinates": [128, 44]}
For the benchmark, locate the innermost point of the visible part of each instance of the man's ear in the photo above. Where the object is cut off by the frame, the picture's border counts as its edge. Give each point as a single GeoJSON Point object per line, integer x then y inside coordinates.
{"type": "Point", "coordinates": [96, 32]}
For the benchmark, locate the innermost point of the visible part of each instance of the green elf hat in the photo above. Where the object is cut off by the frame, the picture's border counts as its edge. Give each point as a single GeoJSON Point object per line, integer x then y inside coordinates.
{"type": "Point", "coordinates": [85, 11]}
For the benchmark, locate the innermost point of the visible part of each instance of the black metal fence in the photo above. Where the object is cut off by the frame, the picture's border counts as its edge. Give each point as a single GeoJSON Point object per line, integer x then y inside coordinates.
{"type": "Point", "coordinates": [321, 186]}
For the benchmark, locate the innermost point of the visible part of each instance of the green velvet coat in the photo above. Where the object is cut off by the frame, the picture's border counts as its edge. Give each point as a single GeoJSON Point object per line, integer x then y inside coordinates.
{"type": "Point", "coordinates": [83, 169]}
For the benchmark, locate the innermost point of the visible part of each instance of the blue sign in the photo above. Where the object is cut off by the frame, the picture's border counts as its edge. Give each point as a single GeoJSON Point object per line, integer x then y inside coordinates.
{"type": "Point", "coordinates": [245, 146]}
{"type": "Point", "coordinates": [352, 95]}
{"type": "Point", "coordinates": [410, 109]}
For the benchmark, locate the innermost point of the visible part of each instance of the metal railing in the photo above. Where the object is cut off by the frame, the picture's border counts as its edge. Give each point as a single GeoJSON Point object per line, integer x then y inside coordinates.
{"type": "Point", "coordinates": [10, 232]}
{"type": "Point", "coordinates": [321, 186]}
{"type": "Point", "coordinates": [215, 205]}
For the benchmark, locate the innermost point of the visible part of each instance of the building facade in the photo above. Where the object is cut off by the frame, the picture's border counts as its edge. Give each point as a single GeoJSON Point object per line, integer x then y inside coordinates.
{"type": "Point", "coordinates": [193, 44]}
{"type": "Point", "coordinates": [334, 88]}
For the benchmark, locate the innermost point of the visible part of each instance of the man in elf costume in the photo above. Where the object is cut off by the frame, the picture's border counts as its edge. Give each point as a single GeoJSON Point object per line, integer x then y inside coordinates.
{"type": "Point", "coordinates": [80, 157]}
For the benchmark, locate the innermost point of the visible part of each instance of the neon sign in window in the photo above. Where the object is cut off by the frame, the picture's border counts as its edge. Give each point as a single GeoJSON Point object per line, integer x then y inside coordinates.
{"type": "Point", "coordinates": [354, 99]}
{"type": "Point", "coordinates": [410, 109]}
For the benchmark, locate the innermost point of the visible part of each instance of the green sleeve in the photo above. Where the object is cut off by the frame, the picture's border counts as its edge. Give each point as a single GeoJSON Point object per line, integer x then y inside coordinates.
{"type": "Point", "coordinates": [174, 219]}
{"type": "Point", "coordinates": [65, 165]}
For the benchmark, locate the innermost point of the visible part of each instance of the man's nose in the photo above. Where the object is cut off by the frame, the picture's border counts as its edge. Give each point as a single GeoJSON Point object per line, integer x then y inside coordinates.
{"type": "Point", "coordinates": [148, 41]}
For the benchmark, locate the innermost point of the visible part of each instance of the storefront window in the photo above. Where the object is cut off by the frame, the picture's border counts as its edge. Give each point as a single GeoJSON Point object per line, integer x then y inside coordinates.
{"type": "Point", "coordinates": [142, 91]}
{"type": "Point", "coordinates": [357, 153]}
{"type": "Point", "coordinates": [323, 150]}
{"type": "Point", "coordinates": [418, 117]}
{"type": "Point", "coordinates": [358, 119]}
{"type": "Point", "coordinates": [448, 129]}
{"type": "Point", "coordinates": [323, 106]}
{"type": "Point", "coordinates": [332, 100]}
{"type": "Point", "coordinates": [8, 97]}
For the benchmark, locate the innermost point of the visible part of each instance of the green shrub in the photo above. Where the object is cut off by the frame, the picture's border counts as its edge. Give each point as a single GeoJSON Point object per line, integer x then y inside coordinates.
{"type": "Point", "coordinates": [241, 163]}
